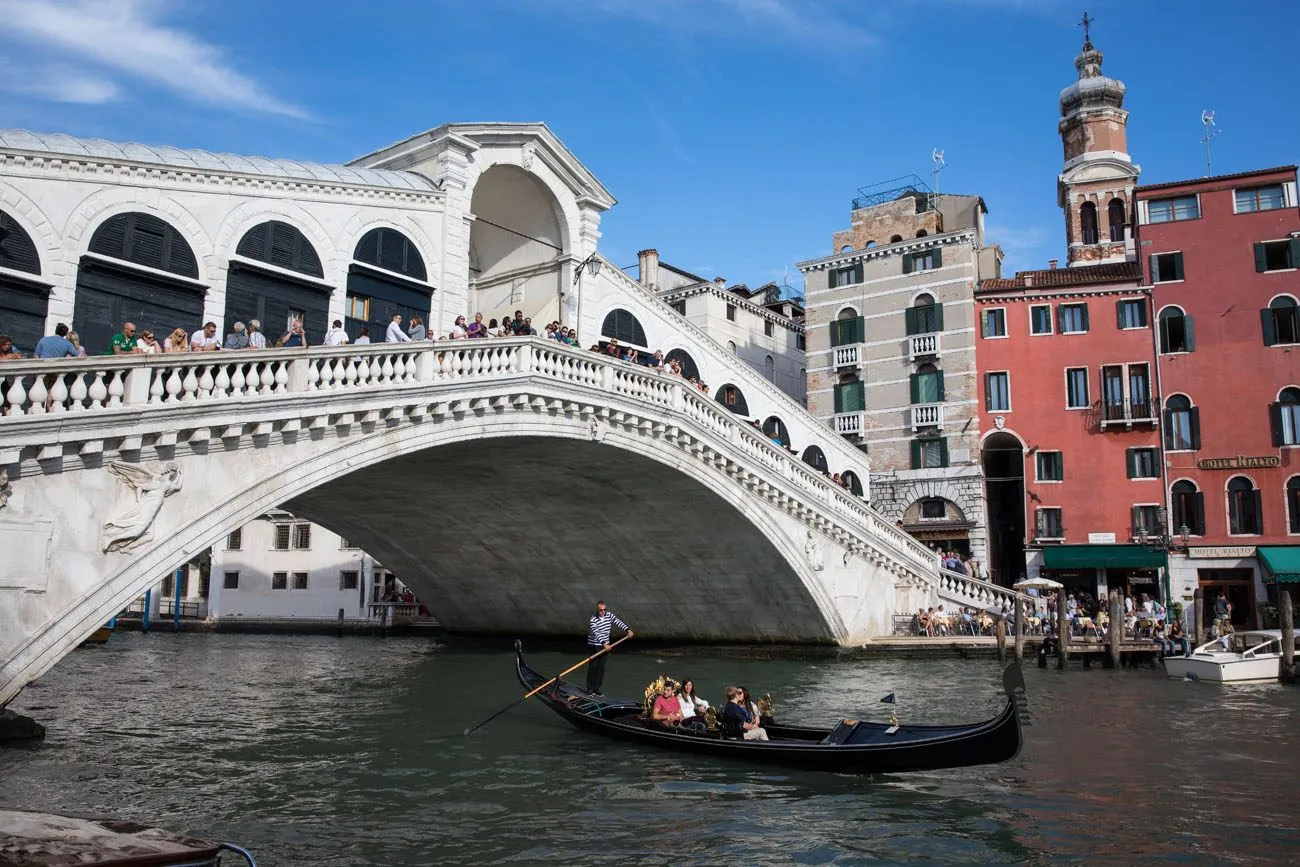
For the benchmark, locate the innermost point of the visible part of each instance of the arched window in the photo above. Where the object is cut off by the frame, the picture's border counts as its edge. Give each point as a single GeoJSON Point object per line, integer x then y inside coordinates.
{"type": "Point", "coordinates": [925, 316]}
{"type": "Point", "coordinates": [852, 482]}
{"type": "Point", "coordinates": [273, 297]}
{"type": "Point", "coordinates": [1281, 321]}
{"type": "Point", "coordinates": [143, 239]}
{"type": "Point", "coordinates": [870, 244]}
{"type": "Point", "coordinates": [895, 239]}
{"type": "Point", "coordinates": [847, 248]}
{"type": "Point", "coordinates": [1115, 213]}
{"type": "Point", "coordinates": [1189, 508]}
{"type": "Point", "coordinates": [110, 293]}
{"type": "Point", "coordinates": [769, 368]}
{"type": "Point", "coordinates": [1245, 512]}
{"type": "Point", "coordinates": [685, 361]}
{"type": "Point", "coordinates": [1176, 334]}
{"type": "Point", "coordinates": [623, 326]}
{"type": "Point", "coordinates": [282, 245]}
{"type": "Point", "coordinates": [1284, 418]}
{"type": "Point", "coordinates": [775, 429]}
{"type": "Point", "coordinates": [815, 458]}
{"type": "Point", "coordinates": [1293, 503]}
{"type": "Point", "coordinates": [921, 233]}
{"type": "Point", "coordinates": [927, 385]}
{"type": "Point", "coordinates": [1182, 424]}
{"type": "Point", "coordinates": [391, 250]}
{"type": "Point", "coordinates": [731, 397]}
{"type": "Point", "coordinates": [23, 303]}
{"type": "Point", "coordinates": [1088, 223]}
{"type": "Point", "coordinates": [731, 347]}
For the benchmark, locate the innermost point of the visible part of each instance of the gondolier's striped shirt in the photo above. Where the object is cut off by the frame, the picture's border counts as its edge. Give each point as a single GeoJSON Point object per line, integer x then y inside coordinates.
{"type": "Point", "coordinates": [600, 627]}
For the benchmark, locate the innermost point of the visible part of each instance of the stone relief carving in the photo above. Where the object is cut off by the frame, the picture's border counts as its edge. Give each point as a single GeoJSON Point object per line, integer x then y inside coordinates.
{"type": "Point", "coordinates": [814, 551]}
{"type": "Point", "coordinates": [6, 489]}
{"type": "Point", "coordinates": [526, 156]}
{"type": "Point", "coordinates": [132, 527]}
{"type": "Point", "coordinates": [1000, 422]}
{"type": "Point", "coordinates": [595, 431]}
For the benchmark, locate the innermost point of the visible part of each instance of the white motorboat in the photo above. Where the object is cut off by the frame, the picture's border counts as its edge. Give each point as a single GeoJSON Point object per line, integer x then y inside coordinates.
{"type": "Point", "coordinates": [1239, 657]}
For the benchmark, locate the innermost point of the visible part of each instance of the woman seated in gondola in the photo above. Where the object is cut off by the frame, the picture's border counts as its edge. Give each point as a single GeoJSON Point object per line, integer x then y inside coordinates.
{"type": "Point", "coordinates": [739, 722]}
{"type": "Point", "coordinates": [750, 705]}
{"type": "Point", "coordinates": [692, 706]}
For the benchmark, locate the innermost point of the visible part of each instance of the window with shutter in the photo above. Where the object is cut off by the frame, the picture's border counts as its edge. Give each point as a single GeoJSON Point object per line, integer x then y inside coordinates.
{"type": "Point", "coordinates": [1284, 418]}
{"type": "Point", "coordinates": [280, 244]}
{"type": "Point", "coordinates": [1277, 255]}
{"type": "Point", "coordinates": [1166, 267]}
{"type": "Point", "coordinates": [623, 326]}
{"type": "Point", "coordinates": [143, 239]}
{"type": "Point", "coordinates": [282, 536]}
{"type": "Point", "coordinates": [17, 251]}
{"type": "Point", "coordinates": [391, 250]}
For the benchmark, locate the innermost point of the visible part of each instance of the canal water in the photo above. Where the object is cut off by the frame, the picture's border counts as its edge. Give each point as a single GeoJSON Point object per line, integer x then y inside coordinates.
{"type": "Point", "coordinates": [324, 751]}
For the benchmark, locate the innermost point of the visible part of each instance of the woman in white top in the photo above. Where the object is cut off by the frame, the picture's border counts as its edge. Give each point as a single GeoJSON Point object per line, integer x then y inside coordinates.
{"type": "Point", "coordinates": [458, 329]}
{"type": "Point", "coordinates": [691, 703]}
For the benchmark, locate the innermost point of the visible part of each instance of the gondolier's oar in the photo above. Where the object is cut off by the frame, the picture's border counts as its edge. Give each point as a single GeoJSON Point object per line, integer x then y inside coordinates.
{"type": "Point", "coordinates": [533, 692]}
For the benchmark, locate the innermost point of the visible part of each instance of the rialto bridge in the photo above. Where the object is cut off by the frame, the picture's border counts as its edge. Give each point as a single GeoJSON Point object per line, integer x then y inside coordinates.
{"type": "Point", "coordinates": [510, 481]}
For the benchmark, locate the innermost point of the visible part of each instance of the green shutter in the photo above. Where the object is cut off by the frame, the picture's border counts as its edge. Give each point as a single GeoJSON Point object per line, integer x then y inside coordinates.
{"type": "Point", "coordinates": [916, 454]}
{"type": "Point", "coordinates": [1178, 266]}
{"type": "Point", "coordinates": [909, 317]}
{"type": "Point", "coordinates": [907, 263]}
{"type": "Point", "coordinates": [859, 392]}
{"type": "Point", "coordinates": [937, 252]}
{"type": "Point", "coordinates": [1085, 315]}
{"type": "Point", "coordinates": [1130, 458]}
{"type": "Point", "coordinates": [835, 332]}
{"type": "Point", "coordinates": [938, 375]}
{"type": "Point", "coordinates": [914, 386]}
{"type": "Point", "coordinates": [1269, 325]}
{"type": "Point", "coordinates": [859, 329]}
{"type": "Point", "coordinates": [938, 317]}
{"type": "Point", "coordinates": [1119, 314]}
{"type": "Point", "coordinates": [830, 278]}
{"type": "Point", "coordinates": [1153, 268]}
{"type": "Point", "coordinates": [1189, 333]}
{"type": "Point", "coordinates": [943, 452]}
{"type": "Point", "coordinates": [1261, 260]}
{"type": "Point", "coordinates": [984, 323]}
{"type": "Point", "coordinates": [1275, 423]}
{"type": "Point", "coordinates": [1194, 419]}
{"type": "Point", "coordinates": [839, 398]}
{"type": "Point", "coordinates": [859, 273]}
{"type": "Point", "coordinates": [1295, 252]}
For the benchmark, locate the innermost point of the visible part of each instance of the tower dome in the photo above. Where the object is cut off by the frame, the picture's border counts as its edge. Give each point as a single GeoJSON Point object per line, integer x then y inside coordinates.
{"type": "Point", "coordinates": [1092, 90]}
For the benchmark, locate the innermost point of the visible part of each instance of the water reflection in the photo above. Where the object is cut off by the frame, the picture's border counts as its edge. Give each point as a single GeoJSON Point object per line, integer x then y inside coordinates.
{"type": "Point", "coordinates": [348, 752]}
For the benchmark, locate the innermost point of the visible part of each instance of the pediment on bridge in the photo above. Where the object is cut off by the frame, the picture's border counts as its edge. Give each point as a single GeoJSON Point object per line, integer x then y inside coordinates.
{"type": "Point", "coordinates": [521, 144]}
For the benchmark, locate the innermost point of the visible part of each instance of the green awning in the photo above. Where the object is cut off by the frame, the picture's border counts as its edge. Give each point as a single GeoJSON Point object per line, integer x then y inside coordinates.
{"type": "Point", "coordinates": [1098, 556]}
{"type": "Point", "coordinates": [1281, 563]}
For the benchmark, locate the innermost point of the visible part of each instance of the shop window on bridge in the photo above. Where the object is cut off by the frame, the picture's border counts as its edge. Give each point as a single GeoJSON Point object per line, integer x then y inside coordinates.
{"type": "Point", "coordinates": [776, 431]}
{"type": "Point", "coordinates": [1281, 321]}
{"type": "Point", "coordinates": [1189, 508]}
{"type": "Point", "coordinates": [731, 397]}
{"type": "Point", "coordinates": [1284, 418]}
{"type": "Point", "coordinates": [684, 360]}
{"type": "Point", "coordinates": [24, 302]}
{"type": "Point", "coordinates": [112, 292]}
{"type": "Point", "coordinates": [292, 289]}
{"type": "Point", "coordinates": [852, 482]}
{"type": "Point", "coordinates": [1245, 508]}
{"type": "Point", "coordinates": [387, 278]}
{"type": "Point", "coordinates": [1176, 332]}
{"type": "Point", "coordinates": [816, 458]}
{"type": "Point", "coordinates": [624, 327]}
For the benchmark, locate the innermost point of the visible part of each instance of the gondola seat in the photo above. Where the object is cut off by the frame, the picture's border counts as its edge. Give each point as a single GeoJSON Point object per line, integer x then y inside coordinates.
{"type": "Point", "coordinates": [843, 732]}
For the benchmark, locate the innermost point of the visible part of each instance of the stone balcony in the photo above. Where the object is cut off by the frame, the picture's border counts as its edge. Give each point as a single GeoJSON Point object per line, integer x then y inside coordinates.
{"type": "Point", "coordinates": [926, 415]}
{"type": "Point", "coordinates": [924, 346]}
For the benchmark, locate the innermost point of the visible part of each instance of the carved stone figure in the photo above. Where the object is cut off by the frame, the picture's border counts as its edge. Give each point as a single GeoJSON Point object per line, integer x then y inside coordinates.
{"type": "Point", "coordinates": [595, 430]}
{"type": "Point", "coordinates": [6, 489]}
{"type": "Point", "coordinates": [813, 549]}
{"type": "Point", "coordinates": [131, 529]}
{"type": "Point", "coordinates": [526, 157]}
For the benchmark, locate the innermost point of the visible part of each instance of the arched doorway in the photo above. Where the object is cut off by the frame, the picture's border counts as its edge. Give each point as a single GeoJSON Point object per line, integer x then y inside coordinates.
{"type": "Point", "coordinates": [685, 362]}
{"type": "Point", "coordinates": [294, 291]}
{"type": "Point", "coordinates": [776, 430]}
{"type": "Point", "coordinates": [387, 277]}
{"type": "Point", "coordinates": [816, 458]}
{"type": "Point", "coordinates": [939, 523]}
{"type": "Point", "coordinates": [516, 245]}
{"type": "Point", "coordinates": [852, 482]}
{"type": "Point", "coordinates": [23, 301]}
{"type": "Point", "coordinates": [1002, 457]}
{"type": "Point", "coordinates": [143, 271]}
{"type": "Point", "coordinates": [731, 397]}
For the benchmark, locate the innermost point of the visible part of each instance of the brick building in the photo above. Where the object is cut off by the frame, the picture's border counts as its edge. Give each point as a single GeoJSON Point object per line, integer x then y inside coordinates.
{"type": "Point", "coordinates": [1220, 257]}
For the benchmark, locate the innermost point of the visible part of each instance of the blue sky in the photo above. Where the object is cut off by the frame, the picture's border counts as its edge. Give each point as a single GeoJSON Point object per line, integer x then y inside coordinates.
{"type": "Point", "coordinates": [733, 132]}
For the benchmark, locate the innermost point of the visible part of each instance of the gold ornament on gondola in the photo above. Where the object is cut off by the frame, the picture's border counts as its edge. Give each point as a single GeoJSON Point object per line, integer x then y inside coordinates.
{"type": "Point", "coordinates": [765, 705]}
{"type": "Point", "coordinates": [711, 719]}
{"type": "Point", "coordinates": [652, 691]}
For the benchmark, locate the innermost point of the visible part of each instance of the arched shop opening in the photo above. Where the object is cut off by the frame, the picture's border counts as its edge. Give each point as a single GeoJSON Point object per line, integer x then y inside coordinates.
{"type": "Point", "coordinates": [294, 290]}
{"type": "Point", "coordinates": [387, 277]}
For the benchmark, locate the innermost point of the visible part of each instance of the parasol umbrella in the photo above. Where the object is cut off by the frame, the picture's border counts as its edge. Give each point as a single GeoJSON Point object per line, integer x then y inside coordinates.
{"type": "Point", "coordinates": [1038, 584]}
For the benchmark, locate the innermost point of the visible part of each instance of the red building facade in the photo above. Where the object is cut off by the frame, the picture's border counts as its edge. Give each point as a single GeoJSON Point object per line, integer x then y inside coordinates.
{"type": "Point", "coordinates": [1220, 258]}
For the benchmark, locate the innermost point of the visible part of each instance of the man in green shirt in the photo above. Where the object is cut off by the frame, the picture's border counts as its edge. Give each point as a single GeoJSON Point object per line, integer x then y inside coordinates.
{"type": "Point", "coordinates": [124, 342]}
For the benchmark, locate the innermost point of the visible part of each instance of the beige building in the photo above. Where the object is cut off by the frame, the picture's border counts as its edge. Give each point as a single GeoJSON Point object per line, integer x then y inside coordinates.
{"type": "Point", "coordinates": [891, 354]}
{"type": "Point", "coordinates": [756, 325]}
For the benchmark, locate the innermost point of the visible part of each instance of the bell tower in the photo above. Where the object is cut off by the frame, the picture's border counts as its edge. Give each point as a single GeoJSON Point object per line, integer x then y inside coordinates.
{"type": "Point", "coordinates": [1095, 187]}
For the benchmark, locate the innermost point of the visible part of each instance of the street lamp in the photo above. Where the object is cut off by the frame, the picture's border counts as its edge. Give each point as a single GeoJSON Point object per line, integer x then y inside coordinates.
{"type": "Point", "coordinates": [592, 266]}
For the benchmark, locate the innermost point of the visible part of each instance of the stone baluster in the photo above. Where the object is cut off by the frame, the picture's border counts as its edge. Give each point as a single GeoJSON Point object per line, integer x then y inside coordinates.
{"type": "Point", "coordinates": [36, 395]}
{"type": "Point", "coordinates": [207, 383]}
{"type": "Point", "coordinates": [59, 394]}
{"type": "Point", "coordinates": [174, 385]}
{"type": "Point", "coordinates": [237, 380]}
{"type": "Point", "coordinates": [17, 397]}
{"type": "Point", "coordinates": [78, 392]}
{"type": "Point", "coordinates": [281, 377]}
{"type": "Point", "coordinates": [98, 391]}
{"type": "Point", "coordinates": [221, 382]}
{"type": "Point", "coordinates": [190, 384]}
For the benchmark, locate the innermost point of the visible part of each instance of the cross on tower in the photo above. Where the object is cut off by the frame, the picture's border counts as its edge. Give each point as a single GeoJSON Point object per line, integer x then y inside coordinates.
{"type": "Point", "coordinates": [1086, 24]}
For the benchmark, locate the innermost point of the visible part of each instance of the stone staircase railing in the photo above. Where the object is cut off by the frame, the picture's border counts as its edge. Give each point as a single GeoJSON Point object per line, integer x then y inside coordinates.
{"type": "Point", "coordinates": [974, 592]}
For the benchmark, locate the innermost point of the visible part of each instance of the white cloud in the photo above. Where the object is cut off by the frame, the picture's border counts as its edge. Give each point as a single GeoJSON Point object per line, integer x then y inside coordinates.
{"type": "Point", "coordinates": [57, 84]}
{"type": "Point", "coordinates": [87, 38]}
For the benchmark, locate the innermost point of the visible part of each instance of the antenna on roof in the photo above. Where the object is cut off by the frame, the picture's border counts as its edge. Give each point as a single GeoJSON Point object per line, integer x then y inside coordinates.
{"type": "Point", "coordinates": [936, 156]}
{"type": "Point", "coordinates": [1207, 122]}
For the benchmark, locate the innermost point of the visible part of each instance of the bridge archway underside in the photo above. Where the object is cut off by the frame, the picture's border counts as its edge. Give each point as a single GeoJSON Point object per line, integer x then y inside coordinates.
{"type": "Point", "coordinates": [275, 428]}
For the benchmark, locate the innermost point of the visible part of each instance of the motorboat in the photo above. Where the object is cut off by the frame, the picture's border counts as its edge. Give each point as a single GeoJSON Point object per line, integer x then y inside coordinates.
{"type": "Point", "coordinates": [849, 747]}
{"type": "Point", "coordinates": [1238, 657]}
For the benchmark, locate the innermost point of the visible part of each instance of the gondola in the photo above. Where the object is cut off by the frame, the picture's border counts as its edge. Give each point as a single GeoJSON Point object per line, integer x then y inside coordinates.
{"type": "Point", "coordinates": [850, 747]}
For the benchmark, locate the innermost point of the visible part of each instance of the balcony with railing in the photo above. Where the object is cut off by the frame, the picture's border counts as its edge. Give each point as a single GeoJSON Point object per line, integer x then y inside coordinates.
{"type": "Point", "coordinates": [926, 415]}
{"type": "Point", "coordinates": [1123, 414]}
{"type": "Point", "coordinates": [847, 356]}
{"type": "Point", "coordinates": [847, 337]}
{"type": "Point", "coordinates": [924, 346]}
{"type": "Point", "coordinates": [848, 423]}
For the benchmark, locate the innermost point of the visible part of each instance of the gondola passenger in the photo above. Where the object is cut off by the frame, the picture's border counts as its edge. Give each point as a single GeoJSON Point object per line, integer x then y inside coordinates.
{"type": "Point", "coordinates": [739, 719]}
{"type": "Point", "coordinates": [667, 710]}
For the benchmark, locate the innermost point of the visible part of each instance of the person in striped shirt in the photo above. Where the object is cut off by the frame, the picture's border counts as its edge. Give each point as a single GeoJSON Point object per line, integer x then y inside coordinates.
{"type": "Point", "coordinates": [599, 628]}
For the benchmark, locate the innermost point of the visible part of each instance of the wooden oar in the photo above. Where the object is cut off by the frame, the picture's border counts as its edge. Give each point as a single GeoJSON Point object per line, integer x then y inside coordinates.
{"type": "Point", "coordinates": [534, 692]}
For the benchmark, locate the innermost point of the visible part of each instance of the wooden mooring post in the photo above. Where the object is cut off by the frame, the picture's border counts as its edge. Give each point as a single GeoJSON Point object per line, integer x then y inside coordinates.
{"type": "Point", "coordinates": [1286, 619]}
{"type": "Point", "coordinates": [1198, 615]}
{"type": "Point", "coordinates": [1062, 630]}
{"type": "Point", "coordinates": [1020, 629]}
{"type": "Point", "coordinates": [1002, 640]}
{"type": "Point", "coordinates": [1115, 629]}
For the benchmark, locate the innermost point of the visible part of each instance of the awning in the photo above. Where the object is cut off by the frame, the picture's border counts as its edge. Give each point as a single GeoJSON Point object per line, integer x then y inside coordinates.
{"type": "Point", "coordinates": [1281, 563]}
{"type": "Point", "coordinates": [1098, 556]}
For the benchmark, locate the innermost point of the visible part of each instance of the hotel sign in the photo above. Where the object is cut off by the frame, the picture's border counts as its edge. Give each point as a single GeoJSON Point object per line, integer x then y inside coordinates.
{"type": "Point", "coordinates": [1240, 462]}
{"type": "Point", "coordinates": [1225, 552]}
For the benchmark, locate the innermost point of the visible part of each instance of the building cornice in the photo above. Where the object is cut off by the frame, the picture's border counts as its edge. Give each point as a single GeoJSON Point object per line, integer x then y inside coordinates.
{"type": "Point", "coordinates": [680, 293]}
{"type": "Point", "coordinates": [947, 239]}
{"type": "Point", "coordinates": [1030, 293]}
{"type": "Point", "coordinates": [112, 171]}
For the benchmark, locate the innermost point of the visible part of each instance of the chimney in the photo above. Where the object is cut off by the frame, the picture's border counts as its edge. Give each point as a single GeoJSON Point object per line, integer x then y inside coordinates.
{"type": "Point", "coordinates": [649, 268]}
{"type": "Point", "coordinates": [1027, 279]}
{"type": "Point", "coordinates": [1052, 263]}
{"type": "Point", "coordinates": [721, 281]}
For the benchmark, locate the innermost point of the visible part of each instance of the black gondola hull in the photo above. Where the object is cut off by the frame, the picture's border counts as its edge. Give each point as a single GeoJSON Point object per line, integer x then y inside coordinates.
{"type": "Point", "coordinates": [872, 749]}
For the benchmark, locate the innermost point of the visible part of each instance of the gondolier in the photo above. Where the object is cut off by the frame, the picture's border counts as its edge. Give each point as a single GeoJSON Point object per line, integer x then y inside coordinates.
{"type": "Point", "coordinates": [598, 630]}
